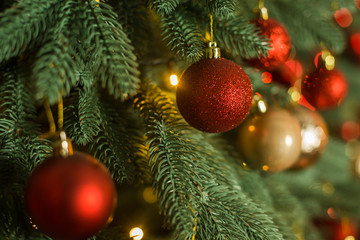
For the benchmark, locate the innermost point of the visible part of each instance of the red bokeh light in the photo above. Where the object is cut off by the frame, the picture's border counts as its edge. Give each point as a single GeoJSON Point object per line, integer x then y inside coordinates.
{"type": "Point", "coordinates": [357, 3]}
{"type": "Point", "coordinates": [266, 77]}
{"type": "Point", "coordinates": [350, 130]}
{"type": "Point", "coordinates": [295, 67]}
{"type": "Point", "coordinates": [343, 17]}
{"type": "Point", "coordinates": [355, 42]}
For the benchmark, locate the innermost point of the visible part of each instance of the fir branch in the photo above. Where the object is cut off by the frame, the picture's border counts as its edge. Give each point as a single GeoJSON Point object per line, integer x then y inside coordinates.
{"type": "Point", "coordinates": [116, 143]}
{"type": "Point", "coordinates": [23, 23]}
{"type": "Point", "coordinates": [183, 34]}
{"type": "Point", "coordinates": [250, 216]}
{"type": "Point", "coordinates": [241, 38]}
{"type": "Point", "coordinates": [21, 150]}
{"type": "Point", "coordinates": [54, 68]}
{"type": "Point", "coordinates": [134, 16]}
{"type": "Point", "coordinates": [82, 116]}
{"type": "Point", "coordinates": [308, 27]}
{"type": "Point", "coordinates": [164, 7]}
{"type": "Point", "coordinates": [114, 62]}
{"type": "Point", "coordinates": [221, 209]}
{"type": "Point", "coordinates": [221, 8]}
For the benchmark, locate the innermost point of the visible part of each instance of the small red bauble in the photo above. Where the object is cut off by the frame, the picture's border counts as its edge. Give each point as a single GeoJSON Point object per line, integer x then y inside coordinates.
{"type": "Point", "coordinates": [288, 73]}
{"type": "Point", "coordinates": [324, 88]}
{"type": "Point", "coordinates": [279, 42]}
{"type": "Point", "coordinates": [70, 198]}
{"type": "Point", "coordinates": [214, 95]}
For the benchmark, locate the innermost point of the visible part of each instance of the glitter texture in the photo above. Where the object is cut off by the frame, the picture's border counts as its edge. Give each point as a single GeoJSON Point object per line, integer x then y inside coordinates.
{"type": "Point", "coordinates": [214, 95]}
{"type": "Point", "coordinates": [279, 42]}
{"type": "Point", "coordinates": [324, 89]}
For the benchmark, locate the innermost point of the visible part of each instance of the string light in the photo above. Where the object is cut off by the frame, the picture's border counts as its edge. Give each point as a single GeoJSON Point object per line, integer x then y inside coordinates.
{"type": "Point", "coordinates": [136, 233]}
{"type": "Point", "coordinates": [349, 238]}
{"type": "Point", "coordinates": [265, 167]}
{"type": "Point", "coordinates": [174, 80]}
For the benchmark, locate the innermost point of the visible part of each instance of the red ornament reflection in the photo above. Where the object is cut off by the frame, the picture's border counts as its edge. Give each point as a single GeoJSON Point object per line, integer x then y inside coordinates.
{"type": "Point", "coordinates": [343, 17]}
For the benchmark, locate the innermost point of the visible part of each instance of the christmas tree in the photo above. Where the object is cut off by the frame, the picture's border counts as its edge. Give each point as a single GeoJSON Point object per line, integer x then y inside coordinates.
{"type": "Point", "coordinates": [258, 140]}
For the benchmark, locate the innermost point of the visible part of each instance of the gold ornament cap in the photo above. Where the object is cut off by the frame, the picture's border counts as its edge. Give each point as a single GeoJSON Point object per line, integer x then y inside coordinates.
{"type": "Point", "coordinates": [213, 51]}
{"type": "Point", "coordinates": [63, 146]}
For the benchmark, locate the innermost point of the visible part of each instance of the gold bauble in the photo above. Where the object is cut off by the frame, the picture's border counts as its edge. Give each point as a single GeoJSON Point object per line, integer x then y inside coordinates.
{"type": "Point", "coordinates": [314, 134]}
{"type": "Point", "coordinates": [270, 141]}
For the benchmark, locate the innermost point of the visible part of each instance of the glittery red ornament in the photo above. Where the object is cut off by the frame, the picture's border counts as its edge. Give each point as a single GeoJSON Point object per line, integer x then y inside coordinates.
{"type": "Point", "coordinates": [324, 88]}
{"type": "Point", "coordinates": [71, 197]}
{"type": "Point", "coordinates": [288, 73]}
{"type": "Point", "coordinates": [214, 95]}
{"type": "Point", "coordinates": [279, 42]}
{"type": "Point", "coordinates": [335, 229]}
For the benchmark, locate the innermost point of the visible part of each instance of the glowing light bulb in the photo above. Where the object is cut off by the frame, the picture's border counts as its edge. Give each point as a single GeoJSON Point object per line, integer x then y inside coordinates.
{"type": "Point", "coordinates": [349, 238]}
{"type": "Point", "coordinates": [265, 167]}
{"type": "Point", "coordinates": [136, 233]}
{"type": "Point", "coordinates": [251, 128]}
{"type": "Point", "coordinates": [174, 80]}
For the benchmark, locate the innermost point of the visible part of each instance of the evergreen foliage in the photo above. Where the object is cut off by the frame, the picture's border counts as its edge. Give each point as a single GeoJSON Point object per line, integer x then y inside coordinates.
{"type": "Point", "coordinates": [183, 34]}
{"type": "Point", "coordinates": [241, 38]}
{"type": "Point", "coordinates": [89, 53]}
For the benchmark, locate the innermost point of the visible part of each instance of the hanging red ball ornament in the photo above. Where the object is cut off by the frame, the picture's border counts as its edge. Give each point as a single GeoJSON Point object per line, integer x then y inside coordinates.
{"type": "Point", "coordinates": [324, 88]}
{"type": "Point", "coordinates": [214, 95]}
{"type": "Point", "coordinates": [270, 141]}
{"type": "Point", "coordinates": [314, 136]}
{"type": "Point", "coordinates": [279, 42]}
{"type": "Point", "coordinates": [70, 197]}
{"type": "Point", "coordinates": [355, 43]}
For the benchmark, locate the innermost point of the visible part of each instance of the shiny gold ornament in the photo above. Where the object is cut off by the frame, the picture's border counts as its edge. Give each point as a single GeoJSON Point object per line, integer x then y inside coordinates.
{"type": "Point", "coordinates": [270, 141]}
{"type": "Point", "coordinates": [314, 134]}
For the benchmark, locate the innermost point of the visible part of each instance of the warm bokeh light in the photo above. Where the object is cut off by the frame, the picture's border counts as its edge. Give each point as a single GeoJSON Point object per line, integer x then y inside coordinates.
{"type": "Point", "coordinates": [343, 17]}
{"type": "Point", "coordinates": [355, 42]}
{"type": "Point", "coordinates": [136, 233]}
{"type": "Point", "coordinates": [266, 77]}
{"type": "Point", "coordinates": [174, 80]}
{"type": "Point", "coordinates": [251, 128]}
{"type": "Point", "coordinates": [311, 138]}
{"type": "Point", "coordinates": [149, 196]}
{"type": "Point", "coordinates": [330, 62]}
{"type": "Point", "coordinates": [331, 212]}
{"type": "Point", "coordinates": [262, 106]}
{"type": "Point", "coordinates": [265, 167]}
{"type": "Point", "coordinates": [294, 94]}
{"type": "Point", "coordinates": [350, 238]}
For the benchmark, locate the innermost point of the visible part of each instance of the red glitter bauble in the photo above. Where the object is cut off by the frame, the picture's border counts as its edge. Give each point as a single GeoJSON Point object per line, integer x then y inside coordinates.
{"type": "Point", "coordinates": [70, 198]}
{"type": "Point", "coordinates": [279, 42]}
{"type": "Point", "coordinates": [324, 89]}
{"type": "Point", "coordinates": [288, 73]}
{"type": "Point", "coordinates": [214, 95]}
